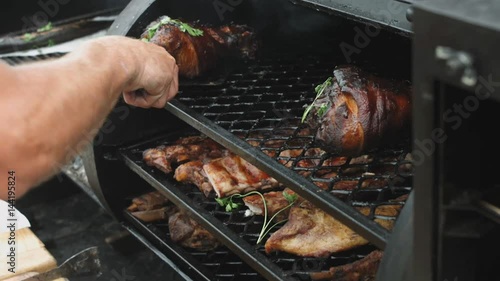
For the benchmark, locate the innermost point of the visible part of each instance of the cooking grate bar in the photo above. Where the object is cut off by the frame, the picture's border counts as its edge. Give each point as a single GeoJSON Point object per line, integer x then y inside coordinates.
{"type": "Point", "coordinates": [324, 200]}
{"type": "Point", "coordinates": [195, 268]}
{"type": "Point", "coordinates": [235, 243]}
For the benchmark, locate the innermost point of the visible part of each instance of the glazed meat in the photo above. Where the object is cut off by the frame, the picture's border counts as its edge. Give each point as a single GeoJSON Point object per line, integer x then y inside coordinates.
{"type": "Point", "coordinates": [185, 149]}
{"type": "Point", "coordinates": [275, 201]}
{"type": "Point", "coordinates": [232, 174]}
{"type": "Point", "coordinates": [147, 202]}
{"type": "Point", "coordinates": [188, 233]}
{"type": "Point", "coordinates": [197, 47]}
{"type": "Point", "coordinates": [192, 172]}
{"type": "Point", "coordinates": [304, 234]}
{"type": "Point", "coordinates": [364, 269]}
{"type": "Point", "coordinates": [355, 111]}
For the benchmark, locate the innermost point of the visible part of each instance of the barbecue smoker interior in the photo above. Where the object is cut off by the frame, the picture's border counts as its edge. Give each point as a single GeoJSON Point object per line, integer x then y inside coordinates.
{"type": "Point", "coordinates": [259, 102]}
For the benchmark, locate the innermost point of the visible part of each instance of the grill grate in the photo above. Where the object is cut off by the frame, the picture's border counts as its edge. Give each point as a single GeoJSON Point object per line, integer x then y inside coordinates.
{"type": "Point", "coordinates": [263, 105]}
{"type": "Point", "coordinates": [226, 267]}
{"type": "Point", "coordinates": [15, 60]}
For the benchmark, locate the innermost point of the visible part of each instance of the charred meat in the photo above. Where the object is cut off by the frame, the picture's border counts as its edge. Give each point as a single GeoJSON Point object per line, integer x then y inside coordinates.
{"type": "Point", "coordinates": [188, 233]}
{"type": "Point", "coordinates": [185, 149]}
{"type": "Point", "coordinates": [147, 202]}
{"type": "Point", "coordinates": [198, 47]}
{"type": "Point", "coordinates": [233, 174]}
{"type": "Point", "coordinates": [275, 201]}
{"type": "Point", "coordinates": [364, 269]}
{"type": "Point", "coordinates": [355, 111]}
{"type": "Point", "coordinates": [310, 232]}
{"type": "Point", "coordinates": [192, 172]}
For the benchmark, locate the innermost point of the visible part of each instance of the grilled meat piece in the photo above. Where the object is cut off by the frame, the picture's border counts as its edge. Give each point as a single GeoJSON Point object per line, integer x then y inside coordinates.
{"type": "Point", "coordinates": [197, 54]}
{"type": "Point", "coordinates": [310, 232]}
{"type": "Point", "coordinates": [185, 149]}
{"type": "Point", "coordinates": [192, 172]}
{"type": "Point", "coordinates": [275, 201]}
{"type": "Point", "coordinates": [152, 215]}
{"type": "Point", "coordinates": [156, 157]}
{"type": "Point", "coordinates": [233, 174]}
{"type": "Point", "coordinates": [359, 111]}
{"type": "Point", "coordinates": [364, 269]}
{"type": "Point", "coordinates": [147, 202]}
{"type": "Point", "coordinates": [188, 233]}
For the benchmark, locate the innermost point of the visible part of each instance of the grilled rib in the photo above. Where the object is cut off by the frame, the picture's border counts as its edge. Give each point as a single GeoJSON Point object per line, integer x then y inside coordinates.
{"type": "Point", "coordinates": [232, 174]}
{"type": "Point", "coordinates": [192, 172]}
{"type": "Point", "coordinates": [364, 269]}
{"type": "Point", "coordinates": [185, 149]}
{"type": "Point", "coordinates": [275, 201]}
{"type": "Point", "coordinates": [310, 232]}
{"type": "Point", "coordinates": [197, 54]}
{"type": "Point", "coordinates": [359, 111]}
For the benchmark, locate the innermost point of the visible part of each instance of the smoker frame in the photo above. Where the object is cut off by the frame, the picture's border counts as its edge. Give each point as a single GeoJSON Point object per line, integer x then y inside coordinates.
{"type": "Point", "coordinates": [427, 70]}
{"type": "Point", "coordinates": [107, 163]}
{"type": "Point", "coordinates": [465, 29]}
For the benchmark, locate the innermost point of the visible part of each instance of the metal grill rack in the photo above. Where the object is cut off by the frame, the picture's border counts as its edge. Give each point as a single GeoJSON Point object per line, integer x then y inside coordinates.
{"type": "Point", "coordinates": [256, 114]}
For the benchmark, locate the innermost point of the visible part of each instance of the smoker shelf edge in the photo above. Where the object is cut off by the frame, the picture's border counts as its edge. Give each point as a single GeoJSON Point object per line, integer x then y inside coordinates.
{"type": "Point", "coordinates": [174, 251]}
{"type": "Point", "coordinates": [347, 215]}
{"type": "Point", "coordinates": [235, 243]}
{"type": "Point", "coordinates": [158, 253]}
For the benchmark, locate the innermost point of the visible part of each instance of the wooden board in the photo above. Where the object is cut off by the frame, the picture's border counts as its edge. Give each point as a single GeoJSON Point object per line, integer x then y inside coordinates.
{"type": "Point", "coordinates": [31, 255]}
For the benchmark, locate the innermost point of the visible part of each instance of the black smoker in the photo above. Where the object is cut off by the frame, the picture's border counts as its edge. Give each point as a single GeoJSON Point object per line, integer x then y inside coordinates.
{"type": "Point", "coordinates": [446, 230]}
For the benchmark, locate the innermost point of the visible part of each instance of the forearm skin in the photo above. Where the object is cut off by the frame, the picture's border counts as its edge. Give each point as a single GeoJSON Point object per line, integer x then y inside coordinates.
{"type": "Point", "coordinates": [48, 108]}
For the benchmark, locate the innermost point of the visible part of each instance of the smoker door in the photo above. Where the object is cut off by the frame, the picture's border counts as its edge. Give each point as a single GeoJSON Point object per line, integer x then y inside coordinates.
{"type": "Point", "coordinates": [456, 98]}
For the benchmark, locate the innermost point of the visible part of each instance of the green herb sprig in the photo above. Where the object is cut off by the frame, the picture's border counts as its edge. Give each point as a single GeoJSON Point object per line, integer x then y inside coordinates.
{"type": "Point", "coordinates": [47, 27]}
{"type": "Point", "coordinates": [27, 37]}
{"type": "Point", "coordinates": [319, 92]}
{"type": "Point", "coordinates": [184, 27]}
{"type": "Point", "coordinates": [230, 205]}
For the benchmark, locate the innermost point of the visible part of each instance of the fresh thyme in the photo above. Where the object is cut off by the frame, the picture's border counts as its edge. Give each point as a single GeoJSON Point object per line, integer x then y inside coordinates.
{"type": "Point", "coordinates": [230, 205]}
{"type": "Point", "coordinates": [184, 27]}
{"type": "Point", "coordinates": [319, 92]}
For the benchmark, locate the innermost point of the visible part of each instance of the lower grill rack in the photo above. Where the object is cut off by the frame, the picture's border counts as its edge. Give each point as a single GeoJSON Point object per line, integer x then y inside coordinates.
{"type": "Point", "coordinates": [241, 258]}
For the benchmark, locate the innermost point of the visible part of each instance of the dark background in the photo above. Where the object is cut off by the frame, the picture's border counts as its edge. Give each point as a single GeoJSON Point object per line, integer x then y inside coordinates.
{"type": "Point", "coordinates": [17, 15]}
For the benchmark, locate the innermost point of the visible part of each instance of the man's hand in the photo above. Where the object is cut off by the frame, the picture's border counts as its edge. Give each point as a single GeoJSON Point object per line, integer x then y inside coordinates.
{"type": "Point", "coordinates": [151, 72]}
{"type": "Point", "coordinates": [158, 78]}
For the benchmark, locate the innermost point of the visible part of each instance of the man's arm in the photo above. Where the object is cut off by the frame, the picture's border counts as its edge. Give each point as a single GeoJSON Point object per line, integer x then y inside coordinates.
{"type": "Point", "coordinates": [48, 108]}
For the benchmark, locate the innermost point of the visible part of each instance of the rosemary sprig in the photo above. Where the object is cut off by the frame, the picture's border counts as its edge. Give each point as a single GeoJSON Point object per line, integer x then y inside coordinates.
{"type": "Point", "coordinates": [230, 205]}
{"type": "Point", "coordinates": [319, 91]}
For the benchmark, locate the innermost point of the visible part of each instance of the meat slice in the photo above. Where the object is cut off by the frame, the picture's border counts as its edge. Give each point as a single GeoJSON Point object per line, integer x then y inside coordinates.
{"type": "Point", "coordinates": [364, 269]}
{"type": "Point", "coordinates": [185, 149]}
{"type": "Point", "coordinates": [233, 174]}
{"type": "Point", "coordinates": [156, 157]}
{"type": "Point", "coordinates": [192, 172]}
{"type": "Point", "coordinates": [275, 201]}
{"type": "Point", "coordinates": [310, 232]}
{"type": "Point", "coordinates": [147, 202]}
{"type": "Point", "coordinates": [188, 233]}
{"type": "Point", "coordinates": [355, 111]}
{"type": "Point", "coordinates": [196, 47]}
